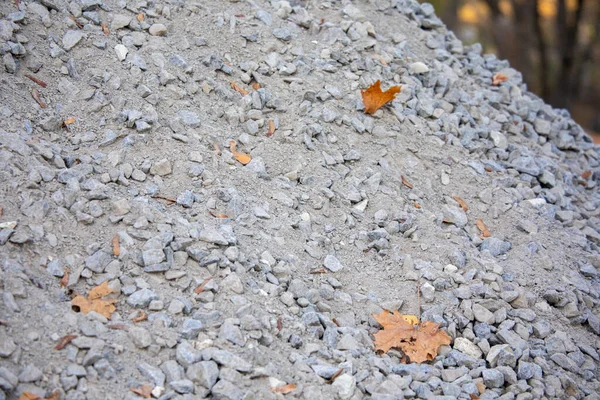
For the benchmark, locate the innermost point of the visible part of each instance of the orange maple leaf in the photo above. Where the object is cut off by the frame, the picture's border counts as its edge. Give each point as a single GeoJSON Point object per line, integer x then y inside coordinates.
{"type": "Point", "coordinates": [419, 342]}
{"type": "Point", "coordinates": [374, 98]}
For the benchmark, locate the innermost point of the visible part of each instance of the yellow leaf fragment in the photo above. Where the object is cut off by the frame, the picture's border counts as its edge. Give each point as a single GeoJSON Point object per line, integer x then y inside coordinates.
{"type": "Point", "coordinates": [481, 226]}
{"type": "Point", "coordinates": [374, 98]}
{"type": "Point", "coordinates": [462, 203]}
{"type": "Point", "coordinates": [419, 342]}
{"type": "Point", "coordinates": [241, 157]}
{"type": "Point", "coordinates": [285, 389]}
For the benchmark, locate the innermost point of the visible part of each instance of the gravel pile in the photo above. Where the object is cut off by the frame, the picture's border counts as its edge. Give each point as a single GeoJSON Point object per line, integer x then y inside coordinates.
{"type": "Point", "coordinates": [234, 279]}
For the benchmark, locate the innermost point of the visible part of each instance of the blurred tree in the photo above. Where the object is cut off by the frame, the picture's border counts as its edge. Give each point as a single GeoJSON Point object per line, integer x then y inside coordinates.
{"type": "Point", "coordinates": [555, 44]}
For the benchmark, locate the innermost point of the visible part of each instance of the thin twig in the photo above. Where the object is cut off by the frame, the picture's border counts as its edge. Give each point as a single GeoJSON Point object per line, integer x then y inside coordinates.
{"type": "Point", "coordinates": [419, 298]}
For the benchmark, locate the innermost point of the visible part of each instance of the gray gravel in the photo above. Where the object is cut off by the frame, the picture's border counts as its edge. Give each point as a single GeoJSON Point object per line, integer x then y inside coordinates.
{"type": "Point", "coordinates": [232, 279]}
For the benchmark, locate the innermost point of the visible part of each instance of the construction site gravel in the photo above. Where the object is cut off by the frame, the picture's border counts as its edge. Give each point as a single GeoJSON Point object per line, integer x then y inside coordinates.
{"type": "Point", "coordinates": [196, 204]}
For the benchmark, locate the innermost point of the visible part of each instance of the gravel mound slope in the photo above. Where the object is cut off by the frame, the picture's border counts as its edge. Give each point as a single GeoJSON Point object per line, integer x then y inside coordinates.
{"type": "Point", "coordinates": [231, 279]}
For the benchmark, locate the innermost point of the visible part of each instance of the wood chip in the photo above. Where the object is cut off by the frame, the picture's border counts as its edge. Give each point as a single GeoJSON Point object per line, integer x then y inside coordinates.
{"type": "Point", "coordinates": [118, 326]}
{"type": "Point", "coordinates": [335, 376]}
{"type": "Point", "coordinates": [200, 288]}
{"type": "Point", "coordinates": [142, 316]}
{"type": "Point", "coordinates": [168, 199]}
{"type": "Point", "coordinates": [462, 203]}
{"type": "Point", "coordinates": [238, 88]}
{"type": "Point", "coordinates": [405, 182]}
{"type": "Point", "coordinates": [36, 96]}
{"type": "Point", "coordinates": [64, 281]}
{"type": "Point", "coordinates": [116, 246]}
{"type": "Point", "coordinates": [271, 130]}
{"type": "Point", "coordinates": [36, 80]}
{"type": "Point", "coordinates": [64, 341]}
{"type": "Point", "coordinates": [481, 226]}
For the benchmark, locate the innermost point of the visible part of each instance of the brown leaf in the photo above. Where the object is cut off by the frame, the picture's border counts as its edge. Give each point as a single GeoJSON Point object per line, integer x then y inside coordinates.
{"type": "Point", "coordinates": [374, 98]}
{"type": "Point", "coordinates": [69, 121]}
{"type": "Point", "coordinates": [168, 199]}
{"type": "Point", "coordinates": [238, 88]}
{"type": "Point", "coordinates": [462, 203]}
{"type": "Point", "coordinates": [141, 317]}
{"type": "Point", "coordinates": [140, 17]}
{"type": "Point", "coordinates": [318, 271]}
{"type": "Point", "coordinates": [217, 149]}
{"type": "Point", "coordinates": [417, 205]}
{"type": "Point", "coordinates": [498, 79]}
{"type": "Point", "coordinates": [100, 291]}
{"type": "Point", "coordinates": [418, 342]}
{"type": "Point", "coordinates": [480, 386]}
{"type": "Point", "coordinates": [55, 395]}
{"type": "Point", "coordinates": [94, 301]}
{"type": "Point", "coordinates": [255, 85]}
{"type": "Point", "coordinates": [36, 96]}
{"type": "Point", "coordinates": [335, 376]}
{"type": "Point", "coordinates": [335, 322]}
{"type": "Point", "coordinates": [36, 80]}
{"type": "Point", "coordinates": [290, 387]}
{"type": "Point", "coordinates": [218, 215]}
{"type": "Point", "coordinates": [279, 324]}
{"type": "Point", "coordinates": [488, 169]}
{"type": "Point", "coordinates": [241, 157]}
{"type": "Point", "coordinates": [200, 288]}
{"type": "Point", "coordinates": [405, 182]}
{"type": "Point", "coordinates": [473, 396]}
{"type": "Point", "coordinates": [144, 391]}
{"type": "Point", "coordinates": [116, 246]}
{"type": "Point", "coordinates": [481, 226]}
{"type": "Point", "coordinates": [586, 174]}
{"type": "Point", "coordinates": [64, 281]}
{"type": "Point", "coordinates": [65, 340]}
{"type": "Point", "coordinates": [105, 29]}
{"type": "Point", "coordinates": [271, 130]}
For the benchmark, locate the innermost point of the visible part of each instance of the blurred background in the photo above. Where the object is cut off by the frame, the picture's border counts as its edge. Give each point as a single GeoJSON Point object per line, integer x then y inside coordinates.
{"type": "Point", "coordinates": [555, 44]}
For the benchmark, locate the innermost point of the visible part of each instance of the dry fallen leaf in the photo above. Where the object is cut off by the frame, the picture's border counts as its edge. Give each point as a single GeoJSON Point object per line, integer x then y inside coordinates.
{"type": "Point", "coordinates": [65, 279]}
{"type": "Point", "coordinates": [36, 80]}
{"type": "Point", "coordinates": [36, 96]}
{"type": "Point", "coordinates": [116, 246]}
{"type": "Point", "coordinates": [141, 317]}
{"type": "Point", "coordinates": [140, 17]}
{"type": "Point", "coordinates": [374, 98]}
{"type": "Point", "coordinates": [498, 79]}
{"type": "Point", "coordinates": [271, 130]}
{"type": "Point", "coordinates": [481, 226]}
{"type": "Point", "coordinates": [144, 391]}
{"type": "Point", "coordinates": [69, 121]}
{"type": "Point", "coordinates": [285, 389]}
{"type": "Point", "coordinates": [105, 29]}
{"type": "Point", "coordinates": [480, 386]}
{"type": "Point", "coordinates": [586, 174]}
{"type": "Point", "coordinates": [217, 149]}
{"type": "Point", "coordinates": [419, 342]}
{"type": "Point", "coordinates": [405, 182]}
{"type": "Point", "coordinates": [417, 205]}
{"type": "Point", "coordinates": [238, 88]}
{"type": "Point", "coordinates": [279, 324]}
{"type": "Point", "coordinates": [335, 376]}
{"type": "Point", "coordinates": [318, 271]}
{"type": "Point", "coordinates": [241, 157]}
{"type": "Point", "coordinates": [55, 395]}
{"type": "Point", "coordinates": [65, 340]}
{"type": "Point", "coordinates": [94, 301]}
{"type": "Point", "coordinates": [255, 85]}
{"type": "Point", "coordinates": [219, 215]}
{"type": "Point", "coordinates": [170, 200]}
{"type": "Point", "coordinates": [76, 22]}
{"type": "Point", "coordinates": [462, 203]}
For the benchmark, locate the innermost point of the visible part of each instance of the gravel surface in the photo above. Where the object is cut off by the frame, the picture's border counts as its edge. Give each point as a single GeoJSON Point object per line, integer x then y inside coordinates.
{"type": "Point", "coordinates": [232, 279]}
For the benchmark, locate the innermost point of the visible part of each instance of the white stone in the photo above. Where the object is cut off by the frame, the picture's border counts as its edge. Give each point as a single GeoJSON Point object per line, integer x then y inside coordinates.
{"type": "Point", "coordinates": [121, 52]}
{"type": "Point", "coordinates": [419, 68]}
